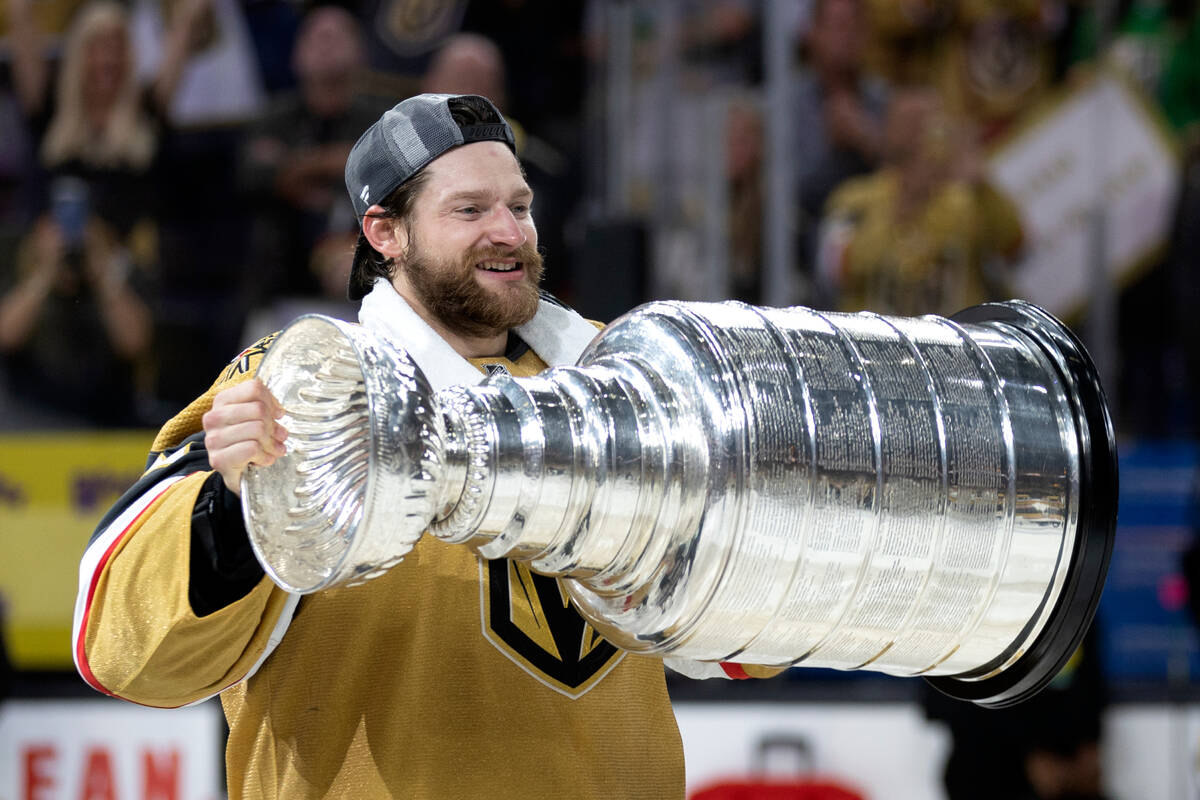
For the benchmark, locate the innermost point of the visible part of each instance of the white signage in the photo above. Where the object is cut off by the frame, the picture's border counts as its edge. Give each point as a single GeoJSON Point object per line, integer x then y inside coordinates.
{"type": "Point", "coordinates": [109, 750]}
{"type": "Point", "coordinates": [1095, 180]}
{"type": "Point", "coordinates": [875, 750]}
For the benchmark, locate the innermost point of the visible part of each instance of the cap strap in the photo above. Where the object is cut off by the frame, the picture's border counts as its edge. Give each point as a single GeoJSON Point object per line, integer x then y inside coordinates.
{"type": "Point", "coordinates": [486, 132]}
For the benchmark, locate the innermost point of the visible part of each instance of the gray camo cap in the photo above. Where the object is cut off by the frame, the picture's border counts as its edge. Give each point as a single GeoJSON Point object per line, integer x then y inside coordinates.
{"type": "Point", "coordinates": [399, 145]}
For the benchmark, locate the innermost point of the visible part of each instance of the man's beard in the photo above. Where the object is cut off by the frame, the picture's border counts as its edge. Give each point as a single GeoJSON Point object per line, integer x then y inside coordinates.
{"type": "Point", "coordinates": [451, 292]}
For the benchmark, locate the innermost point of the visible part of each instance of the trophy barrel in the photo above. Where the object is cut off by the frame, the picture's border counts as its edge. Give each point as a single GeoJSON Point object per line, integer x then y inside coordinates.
{"type": "Point", "coordinates": [1095, 529]}
{"type": "Point", "coordinates": [920, 497]}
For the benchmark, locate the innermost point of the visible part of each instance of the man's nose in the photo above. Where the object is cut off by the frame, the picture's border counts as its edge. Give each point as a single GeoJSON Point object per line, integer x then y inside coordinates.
{"type": "Point", "coordinates": [505, 229]}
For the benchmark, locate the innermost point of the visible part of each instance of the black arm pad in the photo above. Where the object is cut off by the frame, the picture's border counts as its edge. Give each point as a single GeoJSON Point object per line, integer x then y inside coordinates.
{"type": "Point", "coordinates": [223, 566]}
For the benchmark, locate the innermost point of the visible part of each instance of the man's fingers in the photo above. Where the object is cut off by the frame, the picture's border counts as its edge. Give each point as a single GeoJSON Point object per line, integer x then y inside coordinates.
{"type": "Point", "coordinates": [246, 392]}
{"type": "Point", "coordinates": [231, 415]}
{"type": "Point", "coordinates": [268, 435]}
{"type": "Point", "coordinates": [232, 461]}
{"type": "Point", "coordinates": [235, 458]}
{"type": "Point", "coordinates": [232, 458]}
{"type": "Point", "coordinates": [241, 429]}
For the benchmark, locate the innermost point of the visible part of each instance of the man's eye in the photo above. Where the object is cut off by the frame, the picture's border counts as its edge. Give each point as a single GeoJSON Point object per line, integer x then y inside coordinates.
{"type": "Point", "coordinates": [520, 209]}
{"type": "Point", "coordinates": [469, 210]}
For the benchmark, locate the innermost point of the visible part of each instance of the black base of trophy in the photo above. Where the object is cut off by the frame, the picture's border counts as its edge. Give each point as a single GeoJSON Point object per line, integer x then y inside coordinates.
{"type": "Point", "coordinates": [1096, 529]}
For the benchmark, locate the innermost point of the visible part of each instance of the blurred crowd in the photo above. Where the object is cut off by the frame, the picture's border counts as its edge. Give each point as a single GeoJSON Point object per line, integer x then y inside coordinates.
{"type": "Point", "coordinates": [897, 110]}
{"type": "Point", "coordinates": [171, 179]}
{"type": "Point", "coordinates": [171, 174]}
{"type": "Point", "coordinates": [170, 170]}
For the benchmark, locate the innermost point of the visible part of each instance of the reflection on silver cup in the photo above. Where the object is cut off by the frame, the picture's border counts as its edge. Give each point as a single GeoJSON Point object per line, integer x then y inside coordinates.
{"type": "Point", "coordinates": [928, 496]}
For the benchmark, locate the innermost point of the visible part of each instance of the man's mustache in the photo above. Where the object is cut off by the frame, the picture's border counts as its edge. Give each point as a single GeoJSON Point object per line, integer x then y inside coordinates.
{"type": "Point", "coordinates": [525, 253]}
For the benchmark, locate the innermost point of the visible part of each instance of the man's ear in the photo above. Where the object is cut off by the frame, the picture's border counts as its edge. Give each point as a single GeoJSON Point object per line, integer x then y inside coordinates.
{"type": "Point", "coordinates": [387, 235]}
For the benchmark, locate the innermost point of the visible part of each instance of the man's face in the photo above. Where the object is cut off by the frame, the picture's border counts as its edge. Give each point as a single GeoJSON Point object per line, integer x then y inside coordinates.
{"type": "Point", "coordinates": [471, 259]}
{"type": "Point", "coordinates": [328, 47]}
{"type": "Point", "coordinates": [838, 35]}
{"type": "Point", "coordinates": [914, 119]}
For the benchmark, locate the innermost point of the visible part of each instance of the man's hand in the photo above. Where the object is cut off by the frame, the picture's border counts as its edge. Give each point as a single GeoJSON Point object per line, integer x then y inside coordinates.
{"type": "Point", "coordinates": [240, 429]}
{"type": "Point", "coordinates": [310, 177]}
{"type": "Point", "coordinates": [850, 125]}
{"type": "Point", "coordinates": [101, 265]}
{"type": "Point", "coordinates": [48, 248]}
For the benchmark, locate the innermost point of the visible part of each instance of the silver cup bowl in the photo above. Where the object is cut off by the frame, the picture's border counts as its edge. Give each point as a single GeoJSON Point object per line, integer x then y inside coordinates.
{"type": "Point", "coordinates": [359, 482]}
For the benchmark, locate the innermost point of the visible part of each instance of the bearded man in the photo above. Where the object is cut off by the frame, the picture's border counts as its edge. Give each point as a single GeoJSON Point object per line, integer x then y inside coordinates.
{"type": "Point", "coordinates": [449, 676]}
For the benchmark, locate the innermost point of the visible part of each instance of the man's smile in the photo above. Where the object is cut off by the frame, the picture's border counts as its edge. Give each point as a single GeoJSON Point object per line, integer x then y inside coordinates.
{"type": "Point", "coordinates": [504, 269]}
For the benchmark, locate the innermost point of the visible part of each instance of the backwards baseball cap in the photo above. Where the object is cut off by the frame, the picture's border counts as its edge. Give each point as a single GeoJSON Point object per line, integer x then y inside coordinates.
{"type": "Point", "coordinates": [402, 143]}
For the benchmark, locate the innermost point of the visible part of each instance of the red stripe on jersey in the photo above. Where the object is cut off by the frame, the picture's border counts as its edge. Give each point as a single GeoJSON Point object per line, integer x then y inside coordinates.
{"type": "Point", "coordinates": [85, 669]}
{"type": "Point", "coordinates": [734, 671]}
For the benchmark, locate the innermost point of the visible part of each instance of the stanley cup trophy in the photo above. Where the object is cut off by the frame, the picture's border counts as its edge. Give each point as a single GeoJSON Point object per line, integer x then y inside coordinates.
{"type": "Point", "coordinates": [916, 496]}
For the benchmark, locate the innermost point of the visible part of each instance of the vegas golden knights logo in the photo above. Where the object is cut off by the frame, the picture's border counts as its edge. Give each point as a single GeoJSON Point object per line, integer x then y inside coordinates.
{"type": "Point", "coordinates": [416, 26]}
{"type": "Point", "coordinates": [530, 619]}
{"type": "Point", "coordinates": [244, 359]}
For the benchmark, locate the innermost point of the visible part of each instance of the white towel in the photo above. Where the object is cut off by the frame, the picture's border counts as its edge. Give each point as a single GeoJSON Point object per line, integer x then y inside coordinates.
{"type": "Point", "coordinates": [558, 335]}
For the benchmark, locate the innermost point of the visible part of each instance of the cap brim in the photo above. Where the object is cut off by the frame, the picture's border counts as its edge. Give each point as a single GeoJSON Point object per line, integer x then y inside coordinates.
{"type": "Point", "coordinates": [361, 282]}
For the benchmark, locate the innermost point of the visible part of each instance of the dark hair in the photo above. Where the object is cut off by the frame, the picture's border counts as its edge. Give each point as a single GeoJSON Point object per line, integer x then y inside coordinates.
{"type": "Point", "coordinates": [468, 110]}
{"type": "Point", "coordinates": [472, 110]}
{"type": "Point", "coordinates": [397, 205]}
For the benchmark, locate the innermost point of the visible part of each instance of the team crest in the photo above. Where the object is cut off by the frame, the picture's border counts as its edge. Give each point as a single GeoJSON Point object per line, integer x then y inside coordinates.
{"type": "Point", "coordinates": [496, 369]}
{"type": "Point", "coordinates": [243, 361]}
{"type": "Point", "coordinates": [530, 619]}
{"type": "Point", "coordinates": [1002, 62]}
{"type": "Point", "coordinates": [416, 26]}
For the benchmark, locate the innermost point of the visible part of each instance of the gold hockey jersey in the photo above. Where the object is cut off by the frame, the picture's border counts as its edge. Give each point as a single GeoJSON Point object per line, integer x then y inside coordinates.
{"type": "Point", "coordinates": [448, 677]}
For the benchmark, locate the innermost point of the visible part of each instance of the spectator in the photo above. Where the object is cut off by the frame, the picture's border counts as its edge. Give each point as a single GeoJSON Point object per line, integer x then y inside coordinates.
{"type": "Point", "coordinates": [16, 169]}
{"type": "Point", "coordinates": [17, 181]}
{"type": "Point", "coordinates": [102, 126]}
{"type": "Point", "coordinates": [921, 234]}
{"type": "Point", "coordinates": [220, 83]}
{"type": "Point", "coordinates": [723, 39]}
{"type": "Point", "coordinates": [839, 109]}
{"type": "Point", "coordinates": [743, 172]}
{"type": "Point", "coordinates": [468, 63]}
{"type": "Point", "coordinates": [272, 27]}
{"type": "Point", "coordinates": [292, 158]}
{"type": "Point", "coordinates": [543, 46]}
{"type": "Point", "coordinates": [1045, 748]}
{"type": "Point", "coordinates": [75, 324]}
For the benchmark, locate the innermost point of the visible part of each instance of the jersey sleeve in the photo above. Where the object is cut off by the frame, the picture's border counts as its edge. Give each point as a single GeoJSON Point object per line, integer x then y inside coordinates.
{"type": "Point", "coordinates": [172, 608]}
